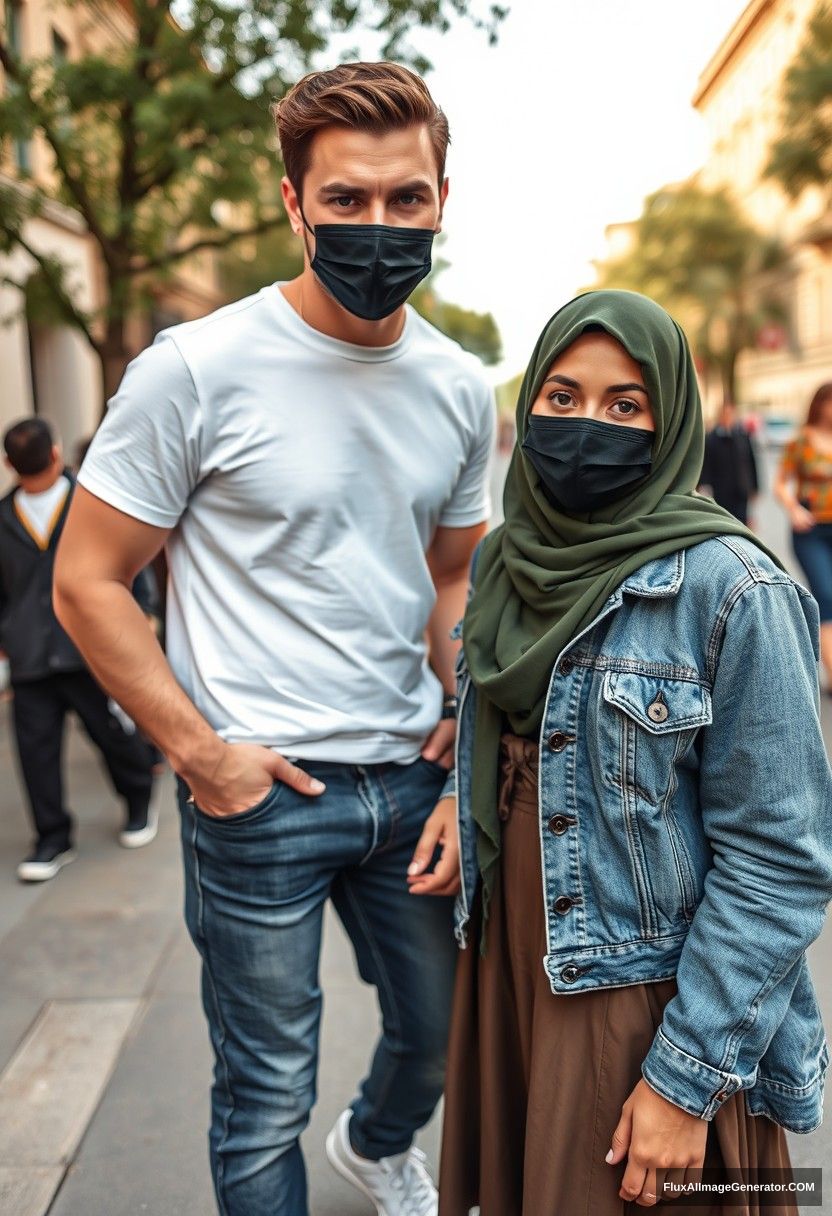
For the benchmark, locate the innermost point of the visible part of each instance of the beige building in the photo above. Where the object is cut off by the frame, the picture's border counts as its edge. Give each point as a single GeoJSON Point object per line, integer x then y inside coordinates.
{"type": "Point", "coordinates": [739, 97]}
{"type": "Point", "coordinates": [49, 369]}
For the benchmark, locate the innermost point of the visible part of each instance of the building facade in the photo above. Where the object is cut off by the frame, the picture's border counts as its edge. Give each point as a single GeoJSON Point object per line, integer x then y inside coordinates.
{"type": "Point", "coordinates": [48, 368]}
{"type": "Point", "coordinates": [739, 97]}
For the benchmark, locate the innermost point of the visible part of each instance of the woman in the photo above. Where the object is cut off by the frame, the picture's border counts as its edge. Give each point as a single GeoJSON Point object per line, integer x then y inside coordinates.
{"type": "Point", "coordinates": [638, 709]}
{"type": "Point", "coordinates": [807, 464]}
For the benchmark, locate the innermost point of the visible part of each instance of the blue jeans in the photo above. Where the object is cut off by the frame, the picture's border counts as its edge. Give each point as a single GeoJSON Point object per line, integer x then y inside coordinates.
{"type": "Point", "coordinates": [813, 549]}
{"type": "Point", "coordinates": [255, 889]}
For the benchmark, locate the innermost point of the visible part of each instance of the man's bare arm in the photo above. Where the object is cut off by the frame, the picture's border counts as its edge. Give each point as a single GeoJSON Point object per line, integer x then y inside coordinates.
{"type": "Point", "coordinates": [100, 553]}
{"type": "Point", "coordinates": [449, 559]}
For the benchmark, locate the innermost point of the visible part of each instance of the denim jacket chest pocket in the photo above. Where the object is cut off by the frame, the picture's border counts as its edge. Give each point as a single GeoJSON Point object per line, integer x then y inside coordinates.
{"type": "Point", "coordinates": [647, 726]}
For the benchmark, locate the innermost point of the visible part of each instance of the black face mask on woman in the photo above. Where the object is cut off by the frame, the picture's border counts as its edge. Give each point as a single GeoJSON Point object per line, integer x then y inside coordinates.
{"type": "Point", "coordinates": [584, 464]}
{"type": "Point", "coordinates": [371, 269]}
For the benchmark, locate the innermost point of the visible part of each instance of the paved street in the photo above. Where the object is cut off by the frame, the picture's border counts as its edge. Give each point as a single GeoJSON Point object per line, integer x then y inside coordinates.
{"type": "Point", "coordinates": [104, 1063]}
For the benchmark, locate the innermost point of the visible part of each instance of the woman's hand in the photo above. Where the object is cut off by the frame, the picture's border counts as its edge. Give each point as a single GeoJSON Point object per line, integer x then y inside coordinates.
{"type": "Point", "coordinates": [655, 1134]}
{"type": "Point", "coordinates": [802, 520]}
{"type": "Point", "coordinates": [440, 829]}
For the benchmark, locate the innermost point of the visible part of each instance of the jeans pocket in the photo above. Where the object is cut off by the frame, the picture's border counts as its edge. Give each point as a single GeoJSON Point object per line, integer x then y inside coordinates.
{"type": "Point", "coordinates": [243, 816]}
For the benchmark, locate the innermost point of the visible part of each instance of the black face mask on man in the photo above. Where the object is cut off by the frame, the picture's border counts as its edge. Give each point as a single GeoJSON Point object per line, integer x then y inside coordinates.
{"type": "Point", "coordinates": [370, 269]}
{"type": "Point", "coordinates": [584, 464]}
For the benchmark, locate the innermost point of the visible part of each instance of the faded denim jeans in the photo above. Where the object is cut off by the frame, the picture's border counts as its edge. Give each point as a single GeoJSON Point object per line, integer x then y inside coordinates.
{"type": "Point", "coordinates": [255, 889]}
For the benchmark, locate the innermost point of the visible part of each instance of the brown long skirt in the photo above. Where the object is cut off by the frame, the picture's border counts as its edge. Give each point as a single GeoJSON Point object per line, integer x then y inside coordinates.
{"type": "Point", "coordinates": [536, 1080]}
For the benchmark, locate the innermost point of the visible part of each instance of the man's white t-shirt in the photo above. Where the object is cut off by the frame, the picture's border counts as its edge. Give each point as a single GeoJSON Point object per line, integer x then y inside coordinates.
{"type": "Point", "coordinates": [304, 478]}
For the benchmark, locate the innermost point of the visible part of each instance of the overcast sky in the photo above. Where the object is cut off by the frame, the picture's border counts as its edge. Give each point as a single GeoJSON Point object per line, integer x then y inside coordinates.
{"type": "Point", "coordinates": [580, 110]}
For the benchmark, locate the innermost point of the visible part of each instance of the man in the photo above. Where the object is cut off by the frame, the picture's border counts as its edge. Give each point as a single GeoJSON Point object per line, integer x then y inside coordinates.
{"type": "Point", "coordinates": [730, 466]}
{"type": "Point", "coordinates": [315, 458]}
{"type": "Point", "coordinates": [48, 675]}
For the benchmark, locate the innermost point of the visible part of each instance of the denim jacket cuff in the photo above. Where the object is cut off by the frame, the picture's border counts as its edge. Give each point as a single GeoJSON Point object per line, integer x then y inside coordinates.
{"type": "Point", "coordinates": [695, 1086]}
{"type": "Point", "coordinates": [449, 788]}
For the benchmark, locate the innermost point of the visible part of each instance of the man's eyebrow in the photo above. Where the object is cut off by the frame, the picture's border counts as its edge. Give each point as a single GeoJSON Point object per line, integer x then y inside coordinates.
{"type": "Point", "coordinates": [418, 183]}
{"type": "Point", "coordinates": [341, 188]}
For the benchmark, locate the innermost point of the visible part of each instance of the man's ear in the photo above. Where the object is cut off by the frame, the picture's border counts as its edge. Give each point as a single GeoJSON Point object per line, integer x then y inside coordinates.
{"type": "Point", "coordinates": [292, 205]}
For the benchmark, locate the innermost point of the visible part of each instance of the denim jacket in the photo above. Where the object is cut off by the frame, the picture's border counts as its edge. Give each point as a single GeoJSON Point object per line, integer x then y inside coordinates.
{"type": "Point", "coordinates": [686, 822]}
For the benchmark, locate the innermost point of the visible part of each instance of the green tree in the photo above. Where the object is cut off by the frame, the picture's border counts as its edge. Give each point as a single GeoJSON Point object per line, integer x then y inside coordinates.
{"type": "Point", "coordinates": [802, 156]}
{"type": "Point", "coordinates": [474, 331]}
{"type": "Point", "coordinates": [694, 252]}
{"type": "Point", "coordinates": [164, 145]}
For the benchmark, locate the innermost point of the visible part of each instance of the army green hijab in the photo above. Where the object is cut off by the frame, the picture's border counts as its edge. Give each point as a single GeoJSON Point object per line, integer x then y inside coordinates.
{"type": "Point", "coordinates": [543, 575]}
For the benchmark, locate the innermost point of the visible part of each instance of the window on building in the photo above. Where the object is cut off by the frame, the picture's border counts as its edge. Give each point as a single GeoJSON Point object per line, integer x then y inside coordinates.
{"type": "Point", "coordinates": [60, 48]}
{"type": "Point", "coordinates": [14, 32]}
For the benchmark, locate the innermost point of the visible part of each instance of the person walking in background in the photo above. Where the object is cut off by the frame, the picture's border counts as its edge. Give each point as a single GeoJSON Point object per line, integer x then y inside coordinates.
{"type": "Point", "coordinates": [729, 469]}
{"type": "Point", "coordinates": [48, 675]}
{"type": "Point", "coordinates": [804, 487]}
{"type": "Point", "coordinates": [644, 796]}
{"type": "Point", "coordinates": [315, 460]}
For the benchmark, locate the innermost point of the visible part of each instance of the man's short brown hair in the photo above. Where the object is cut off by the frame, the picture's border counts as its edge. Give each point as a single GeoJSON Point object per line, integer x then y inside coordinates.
{"type": "Point", "coordinates": [374, 97]}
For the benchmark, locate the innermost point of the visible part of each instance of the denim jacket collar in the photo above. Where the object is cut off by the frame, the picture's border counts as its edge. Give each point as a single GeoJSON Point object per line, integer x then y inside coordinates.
{"type": "Point", "coordinates": [661, 577]}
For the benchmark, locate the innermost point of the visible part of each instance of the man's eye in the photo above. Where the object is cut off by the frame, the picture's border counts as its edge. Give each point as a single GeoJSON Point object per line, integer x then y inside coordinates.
{"type": "Point", "coordinates": [342, 200]}
{"type": "Point", "coordinates": [410, 200]}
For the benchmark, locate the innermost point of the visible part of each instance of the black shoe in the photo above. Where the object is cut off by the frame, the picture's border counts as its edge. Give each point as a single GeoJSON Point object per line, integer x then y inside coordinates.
{"type": "Point", "coordinates": [141, 827]}
{"type": "Point", "coordinates": [45, 862]}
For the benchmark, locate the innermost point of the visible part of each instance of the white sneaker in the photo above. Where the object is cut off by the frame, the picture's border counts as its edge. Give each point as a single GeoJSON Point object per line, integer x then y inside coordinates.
{"type": "Point", "coordinates": [44, 863]}
{"type": "Point", "coordinates": [140, 831]}
{"type": "Point", "coordinates": [398, 1186]}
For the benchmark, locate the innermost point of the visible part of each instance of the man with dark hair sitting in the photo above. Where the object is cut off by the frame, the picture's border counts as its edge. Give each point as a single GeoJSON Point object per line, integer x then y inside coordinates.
{"type": "Point", "coordinates": [48, 675]}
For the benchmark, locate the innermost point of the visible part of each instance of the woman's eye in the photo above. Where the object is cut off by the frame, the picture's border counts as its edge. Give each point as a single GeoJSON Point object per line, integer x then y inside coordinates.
{"type": "Point", "coordinates": [560, 398]}
{"type": "Point", "coordinates": [627, 409]}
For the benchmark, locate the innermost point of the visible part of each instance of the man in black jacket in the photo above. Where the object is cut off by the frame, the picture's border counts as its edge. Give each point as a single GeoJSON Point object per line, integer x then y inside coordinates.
{"type": "Point", "coordinates": [730, 466]}
{"type": "Point", "coordinates": [48, 675]}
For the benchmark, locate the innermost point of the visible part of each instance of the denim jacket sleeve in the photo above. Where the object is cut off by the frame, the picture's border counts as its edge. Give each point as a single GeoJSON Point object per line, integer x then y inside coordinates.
{"type": "Point", "coordinates": [766, 805]}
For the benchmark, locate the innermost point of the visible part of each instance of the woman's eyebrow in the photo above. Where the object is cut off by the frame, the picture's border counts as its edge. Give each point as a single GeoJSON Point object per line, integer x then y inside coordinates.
{"type": "Point", "coordinates": [627, 388]}
{"type": "Point", "coordinates": [562, 380]}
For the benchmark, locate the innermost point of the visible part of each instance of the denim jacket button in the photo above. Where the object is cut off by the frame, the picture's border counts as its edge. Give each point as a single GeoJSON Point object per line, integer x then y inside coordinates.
{"type": "Point", "coordinates": [558, 740]}
{"type": "Point", "coordinates": [558, 824]}
{"type": "Point", "coordinates": [565, 667]}
{"type": "Point", "coordinates": [722, 1095]}
{"type": "Point", "coordinates": [562, 904]}
{"type": "Point", "coordinates": [569, 973]}
{"type": "Point", "coordinates": [657, 710]}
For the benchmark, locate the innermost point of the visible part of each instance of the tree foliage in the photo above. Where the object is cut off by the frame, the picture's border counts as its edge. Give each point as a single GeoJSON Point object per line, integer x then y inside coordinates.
{"type": "Point", "coordinates": [694, 252]}
{"type": "Point", "coordinates": [164, 144]}
{"type": "Point", "coordinates": [802, 156]}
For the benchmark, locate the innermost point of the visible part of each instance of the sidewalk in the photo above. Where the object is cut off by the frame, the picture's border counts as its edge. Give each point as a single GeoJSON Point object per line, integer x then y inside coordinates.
{"type": "Point", "coordinates": [100, 998]}
{"type": "Point", "coordinates": [104, 1060]}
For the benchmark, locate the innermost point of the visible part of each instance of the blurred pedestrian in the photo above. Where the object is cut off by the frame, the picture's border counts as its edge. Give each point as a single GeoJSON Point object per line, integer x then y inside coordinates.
{"type": "Point", "coordinates": [48, 675]}
{"type": "Point", "coordinates": [804, 487]}
{"type": "Point", "coordinates": [315, 460]}
{"type": "Point", "coordinates": [642, 875]}
{"type": "Point", "coordinates": [730, 469]}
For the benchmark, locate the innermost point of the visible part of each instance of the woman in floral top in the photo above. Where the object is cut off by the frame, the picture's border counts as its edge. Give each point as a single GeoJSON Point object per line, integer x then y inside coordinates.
{"type": "Point", "coordinates": [804, 487]}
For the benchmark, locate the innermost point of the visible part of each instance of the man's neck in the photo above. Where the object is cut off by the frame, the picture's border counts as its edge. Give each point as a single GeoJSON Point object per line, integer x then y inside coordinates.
{"type": "Point", "coordinates": [318, 309]}
{"type": "Point", "coordinates": [36, 483]}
